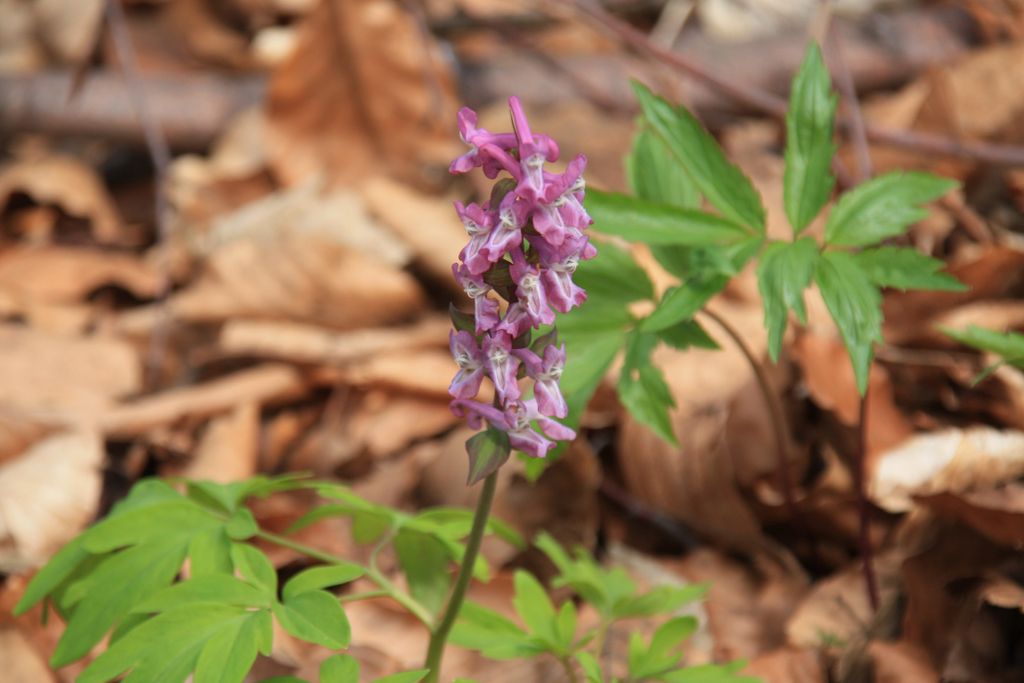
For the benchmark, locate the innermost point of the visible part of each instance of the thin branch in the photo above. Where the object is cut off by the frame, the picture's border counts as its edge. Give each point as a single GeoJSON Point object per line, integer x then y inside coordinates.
{"type": "Point", "coordinates": [774, 411]}
{"type": "Point", "coordinates": [160, 155]}
{"type": "Point", "coordinates": [769, 103]}
{"type": "Point", "coordinates": [864, 509]}
{"type": "Point", "coordinates": [858, 132]}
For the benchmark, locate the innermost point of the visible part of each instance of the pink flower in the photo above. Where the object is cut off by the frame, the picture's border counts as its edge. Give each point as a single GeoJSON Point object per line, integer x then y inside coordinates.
{"type": "Point", "coordinates": [545, 373]}
{"type": "Point", "coordinates": [485, 309]}
{"type": "Point", "coordinates": [530, 291]}
{"type": "Point", "coordinates": [522, 436]}
{"type": "Point", "coordinates": [470, 359]}
{"type": "Point", "coordinates": [501, 365]}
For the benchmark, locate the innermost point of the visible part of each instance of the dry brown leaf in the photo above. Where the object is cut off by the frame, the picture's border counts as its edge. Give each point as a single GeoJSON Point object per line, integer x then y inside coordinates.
{"type": "Point", "coordinates": [951, 461]}
{"type": "Point", "coordinates": [228, 449]}
{"type": "Point", "coordinates": [697, 482]}
{"type": "Point", "coordinates": [198, 25]}
{"type": "Point", "coordinates": [789, 665]}
{"type": "Point", "coordinates": [326, 114]}
{"type": "Point", "coordinates": [21, 662]}
{"type": "Point", "coordinates": [427, 224]}
{"type": "Point", "coordinates": [309, 344]}
{"type": "Point", "coordinates": [995, 513]}
{"type": "Point", "coordinates": [900, 662]}
{"type": "Point", "coordinates": [18, 430]}
{"type": "Point", "coordinates": [69, 184]}
{"type": "Point", "coordinates": [54, 274]}
{"type": "Point", "coordinates": [386, 423]}
{"type": "Point", "coordinates": [830, 381]}
{"type": "Point", "coordinates": [309, 280]}
{"type": "Point", "coordinates": [426, 372]}
{"type": "Point", "coordinates": [75, 378]}
{"type": "Point", "coordinates": [258, 385]}
{"type": "Point", "coordinates": [47, 495]}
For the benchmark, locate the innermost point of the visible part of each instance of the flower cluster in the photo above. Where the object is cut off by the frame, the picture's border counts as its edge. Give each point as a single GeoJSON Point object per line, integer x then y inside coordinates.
{"type": "Point", "coordinates": [524, 246]}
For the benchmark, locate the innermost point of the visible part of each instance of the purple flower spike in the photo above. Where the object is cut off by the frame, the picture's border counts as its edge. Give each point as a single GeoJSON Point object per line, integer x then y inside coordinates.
{"type": "Point", "coordinates": [470, 359]}
{"type": "Point", "coordinates": [535, 236]}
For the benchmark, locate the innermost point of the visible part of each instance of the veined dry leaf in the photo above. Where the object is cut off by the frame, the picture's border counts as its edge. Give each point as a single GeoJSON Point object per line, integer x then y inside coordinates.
{"type": "Point", "coordinates": [427, 224]}
{"type": "Point", "coordinates": [55, 274]}
{"type": "Point", "coordinates": [305, 279]}
{"type": "Point", "coordinates": [229, 447]}
{"type": "Point", "coordinates": [327, 114]}
{"type": "Point", "coordinates": [68, 29]}
{"type": "Point", "coordinates": [258, 385]}
{"type": "Point", "coordinates": [997, 513]}
{"type": "Point", "coordinates": [385, 423]}
{"type": "Point", "coordinates": [697, 482]}
{"type": "Point", "coordinates": [69, 184]}
{"type": "Point", "coordinates": [948, 461]}
{"type": "Point", "coordinates": [75, 378]}
{"type": "Point", "coordinates": [47, 495]}
{"type": "Point", "coordinates": [310, 344]}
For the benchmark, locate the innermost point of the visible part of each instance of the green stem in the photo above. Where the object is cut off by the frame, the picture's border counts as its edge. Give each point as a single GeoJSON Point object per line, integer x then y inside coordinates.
{"type": "Point", "coordinates": [365, 595]}
{"type": "Point", "coordinates": [439, 635]}
{"type": "Point", "coordinates": [372, 573]}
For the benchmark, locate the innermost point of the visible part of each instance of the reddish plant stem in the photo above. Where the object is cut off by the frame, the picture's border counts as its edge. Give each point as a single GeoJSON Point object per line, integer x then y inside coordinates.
{"type": "Point", "coordinates": [762, 100]}
{"type": "Point", "coordinates": [863, 506]}
{"type": "Point", "coordinates": [844, 80]}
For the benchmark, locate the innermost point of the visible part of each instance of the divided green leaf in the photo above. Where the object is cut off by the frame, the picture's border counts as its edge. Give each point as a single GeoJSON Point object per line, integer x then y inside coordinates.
{"type": "Point", "coordinates": [656, 175]}
{"type": "Point", "coordinates": [784, 271]}
{"type": "Point", "coordinates": [883, 207]}
{"type": "Point", "coordinates": [906, 268]}
{"type": "Point", "coordinates": [642, 388]}
{"type": "Point", "coordinates": [808, 180]}
{"type": "Point", "coordinates": [720, 181]}
{"type": "Point", "coordinates": [639, 220]}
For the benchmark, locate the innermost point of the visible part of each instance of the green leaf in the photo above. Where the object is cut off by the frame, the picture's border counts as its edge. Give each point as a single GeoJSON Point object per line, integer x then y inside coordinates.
{"type": "Point", "coordinates": [565, 625]}
{"type": "Point", "coordinates": [488, 450]}
{"type": "Point", "coordinates": [642, 387]}
{"type": "Point", "coordinates": [784, 271]}
{"type": "Point", "coordinates": [425, 561]}
{"type": "Point", "coordinates": [316, 617]}
{"type": "Point", "coordinates": [59, 568]}
{"type": "Point", "coordinates": [613, 275]}
{"type": "Point", "coordinates": [655, 175]}
{"type": "Point", "coordinates": [663, 653]}
{"type": "Point", "coordinates": [220, 639]}
{"type": "Point", "coordinates": [721, 182]}
{"type": "Point", "coordinates": [709, 673]}
{"type": "Point", "coordinates": [855, 305]}
{"type": "Point", "coordinates": [682, 303]}
{"type": "Point", "coordinates": [148, 520]}
{"type": "Point", "coordinates": [242, 525]}
{"type": "Point", "coordinates": [660, 600]}
{"type": "Point", "coordinates": [639, 220]}
{"type": "Point", "coordinates": [316, 578]}
{"type": "Point", "coordinates": [210, 553]}
{"type": "Point", "coordinates": [687, 334]}
{"type": "Point", "coordinates": [534, 607]}
{"type": "Point", "coordinates": [255, 566]}
{"type": "Point", "coordinates": [808, 180]}
{"type": "Point", "coordinates": [906, 268]}
{"type": "Point", "coordinates": [483, 629]}
{"type": "Point", "coordinates": [1008, 345]}
{"type": "Point", "coordinates": [112, 588]}
{"type": "Point", "coordinates": [339, 669]}
{"type": "Point", "coordinates": [591, 667]}
{"type": "Point", "coordinates": [883, 207]}
{"type": "Point", "coordinates": [212, 589]}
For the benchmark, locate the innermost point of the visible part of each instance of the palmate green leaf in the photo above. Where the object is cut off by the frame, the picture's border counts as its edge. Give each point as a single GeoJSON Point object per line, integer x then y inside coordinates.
{"type": "Point", "coordinates": [808, 182]}
{"type": "Point", "coordinates": [565, 626]}
{"type": "Point", "coordinates": [591, 667]}
{"type": "Point", "coordinates": [883, 207]}
{"type": "Point", "coordinates": [117, 583]}
{"type": "Point", "coordinates": [339, 669]}
{"type": "Point", "coordinates": [906, 268]}
{"type": "Point", "coordinates": [613, 276]}
{"type": "Point", "coordinates": [213, 589]}
{"type": "Point", "coordinates": [218, 642]}
{"type": "Point", "coordinates": [639, 220]}
{"type": "Point", "coordinates": [687, 334]}
{"type": "Point", "coordinates": [316, 617]}
{"type": "Point", "coordinates": [497, 637]}
{"type": "Point", "coordinates": [255, 566]}
{"type": "Point", "coordinates": [855, 305]}
{"type": "Point", "coordinates": [642, 388]}
{"type": "Point", "coordinates": [663, 653]}
{"type": "Point", "coordinates": [1008, 345]}
{"type": "Point", "coordinates": [784, 271]}
{"type": "Point", "coordinates": [709, 673]}
{"type": "Point", "coordinates": [59, 568]}
{"type": "Point", "coordinates": [656, 175]}
{"type": "Point", "coordinates": [209, 552]}
{"type": "Point", "coordinates": [659, 600]}
{"type": "Point", "coordinates": [721, 182]}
